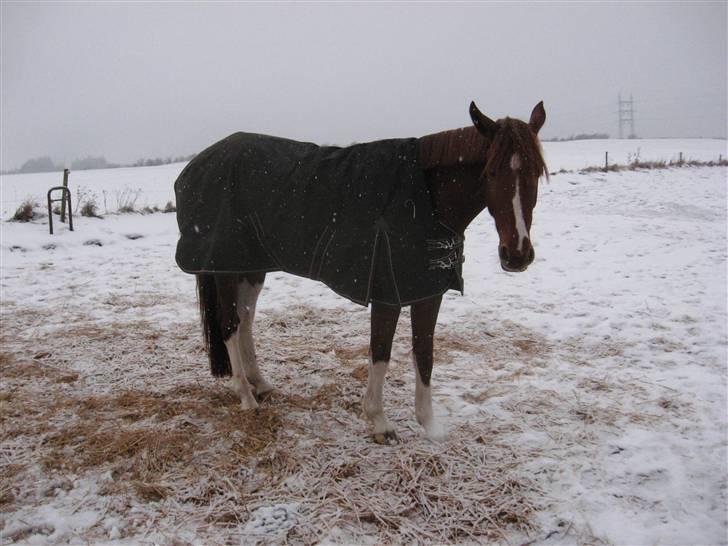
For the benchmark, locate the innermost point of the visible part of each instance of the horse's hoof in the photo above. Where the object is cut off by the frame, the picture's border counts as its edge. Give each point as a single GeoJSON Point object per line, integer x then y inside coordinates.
{"type": "Point", "coordinates": [437, 435]}
{"type": "Point", "coordinates": [386, 438]}
{"type": "Point", "coordinates": [249, 404]}
{"type": "Point", "coordinates": [263, 396]}
{"type": "Point", "coordinates": [435, 431]}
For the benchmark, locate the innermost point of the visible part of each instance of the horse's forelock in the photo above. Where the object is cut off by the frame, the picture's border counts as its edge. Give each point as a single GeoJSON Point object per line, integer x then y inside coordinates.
{"type": "Point", "coordinates": [515, 136]}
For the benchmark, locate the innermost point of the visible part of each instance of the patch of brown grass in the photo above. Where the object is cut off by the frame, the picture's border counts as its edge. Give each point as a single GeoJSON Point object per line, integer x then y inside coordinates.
{"type": "Point", "coordinates": [9, 471]}
{"type": "Point", "coordinates": [146, 451]}
{"type": "Point", "coordinates": [25, 212]}
{"type": "Point", "coordinates": [353, 355]}
{"type": "Point", "coordinates": [70, 377]}
{"type": "Point", "coordinates": [361, 373]}
{"type": "Point", "coordinates": [150, 491]}
{"type": "Point", "coordinates": [99, 435]}
{"type": "Point", "coordinates": [327, 396]}
{"type": "Point", "coordinates": [259, 428]}
{"type": "Point", "coordinates": [529, 347]}
{"type": "Point", "coordinates": [6, 498]}
{"type": "Point", "coordinates": [124, 302]}
{"type": "Point", "coordinates": [448, 342]}
{"type": "Point", "coordinates": [5, 359]}
{"type": "Point", "coordinates": [207, 396]}
{"type": "Point", "coordinates": [13, 369]}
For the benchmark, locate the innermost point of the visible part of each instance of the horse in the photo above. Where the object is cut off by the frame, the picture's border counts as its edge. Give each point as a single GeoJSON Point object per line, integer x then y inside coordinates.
{"type": "Point", "coordinates": [421, 194]}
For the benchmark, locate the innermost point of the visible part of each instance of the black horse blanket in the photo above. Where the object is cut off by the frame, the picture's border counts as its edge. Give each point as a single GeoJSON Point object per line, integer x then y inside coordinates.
{"type": "Point", "coordinates": [359, 219]}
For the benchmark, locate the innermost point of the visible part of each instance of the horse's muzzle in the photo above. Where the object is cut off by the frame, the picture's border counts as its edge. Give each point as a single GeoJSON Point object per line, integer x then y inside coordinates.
{"type": "Point", "coordinates": [516, 262]}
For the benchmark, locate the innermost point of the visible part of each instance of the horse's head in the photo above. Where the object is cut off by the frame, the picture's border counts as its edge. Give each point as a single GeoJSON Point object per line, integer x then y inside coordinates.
{"type": "Point", "coordinates": [513, 165]}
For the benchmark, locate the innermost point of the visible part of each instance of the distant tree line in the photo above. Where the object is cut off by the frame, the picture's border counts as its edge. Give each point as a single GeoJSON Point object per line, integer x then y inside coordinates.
{"type": "Point", "coordinates": [582, 136]}
{"type": "Point", "coordinates": [45, 164]}
{"type": "Point", "coordinates": [161, 161]}
{"type": "Point", "coordinates": [38, 165]}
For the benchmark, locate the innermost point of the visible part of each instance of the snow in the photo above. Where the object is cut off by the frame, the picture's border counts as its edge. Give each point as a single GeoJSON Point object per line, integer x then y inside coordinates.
{"type": "Point", "coordinates": [578, 154]}
{"type": "Point", "coordinates": [269, 521]}
{"type": "Point", "coordinates": [58, 522]}
{"type": "Point", "coordinates": [107, 186]}
{"type": "Point", "coordinates": [606, 360]}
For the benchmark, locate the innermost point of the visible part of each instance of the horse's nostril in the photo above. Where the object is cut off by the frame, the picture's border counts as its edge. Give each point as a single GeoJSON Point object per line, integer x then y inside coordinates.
{"type": "Point", "coordinates": [531, 255]}
{"type": "Point", "coordinates": [503, 253]}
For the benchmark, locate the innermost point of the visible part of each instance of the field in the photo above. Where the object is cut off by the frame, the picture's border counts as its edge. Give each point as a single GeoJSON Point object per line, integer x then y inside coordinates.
{"type": "Point", "coordinates": [585, 399]}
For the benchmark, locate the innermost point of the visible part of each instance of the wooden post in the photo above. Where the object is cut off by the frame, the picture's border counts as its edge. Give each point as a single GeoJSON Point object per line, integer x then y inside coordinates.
{"type": "Point", "coordinates": [63, 194]}
{"type": "Point", "coordinates": [680, 162]}
{"type": "Point", "coordinates": [606, 162]}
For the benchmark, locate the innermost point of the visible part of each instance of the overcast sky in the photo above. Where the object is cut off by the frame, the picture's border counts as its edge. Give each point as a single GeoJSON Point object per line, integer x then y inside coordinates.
{"type": "Point", "coordinates": [133, 80]}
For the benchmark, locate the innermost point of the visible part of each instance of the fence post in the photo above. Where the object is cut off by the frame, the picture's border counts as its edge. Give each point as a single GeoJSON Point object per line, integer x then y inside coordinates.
{"type": "Point", "coordinates": [680, 161]}
{"type": "Point", "coordinates": [606, 162]}
{"type": "Point", "coordinates": [63, 202]}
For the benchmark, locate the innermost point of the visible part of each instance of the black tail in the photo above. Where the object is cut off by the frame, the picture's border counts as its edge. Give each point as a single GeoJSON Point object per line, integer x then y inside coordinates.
{"type": "Point", "coordinates": [211, 330]}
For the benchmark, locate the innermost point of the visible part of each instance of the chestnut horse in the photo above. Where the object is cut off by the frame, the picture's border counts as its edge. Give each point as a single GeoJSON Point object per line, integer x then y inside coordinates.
{"type": "Point", "coordinates": [492, 164]}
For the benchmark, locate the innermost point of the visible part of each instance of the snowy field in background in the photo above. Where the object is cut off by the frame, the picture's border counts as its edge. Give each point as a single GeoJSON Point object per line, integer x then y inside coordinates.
{"type": "Point", "coordinates": [586, 395]}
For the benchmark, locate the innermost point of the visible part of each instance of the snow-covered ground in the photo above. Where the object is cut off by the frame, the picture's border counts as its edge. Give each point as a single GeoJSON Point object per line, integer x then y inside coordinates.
{"type": "Point", "coordinates": [585, 398]}
{"type": "Point", "coordinates": [578, 154]}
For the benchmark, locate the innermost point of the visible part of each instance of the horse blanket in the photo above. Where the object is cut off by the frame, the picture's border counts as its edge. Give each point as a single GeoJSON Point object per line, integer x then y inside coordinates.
{"type": "Point", "coordinates": [360, 218]}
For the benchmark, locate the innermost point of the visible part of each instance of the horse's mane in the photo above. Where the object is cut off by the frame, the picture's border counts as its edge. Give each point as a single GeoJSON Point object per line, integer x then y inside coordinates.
{"type": "Point", "coordinates": [464, 146]}
{"type": "Point", "coordinates": [467, 146]}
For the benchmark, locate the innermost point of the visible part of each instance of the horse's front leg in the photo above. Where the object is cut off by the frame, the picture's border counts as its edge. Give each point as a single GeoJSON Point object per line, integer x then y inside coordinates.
{"type": "Point", "coordinates": [424, 318]}
{"type": "Point", "coordinates": [383, 325]}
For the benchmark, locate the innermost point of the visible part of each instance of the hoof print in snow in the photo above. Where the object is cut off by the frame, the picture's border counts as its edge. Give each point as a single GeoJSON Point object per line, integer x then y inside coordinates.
{"type": "Point", "coordinates": [134, 236]}
{"type": "Point", "coordinates": [49, 246]}
{"type": "Point", "coordinates": [17, 248]}
{"type": "Point", "coordinates": [93, 242]}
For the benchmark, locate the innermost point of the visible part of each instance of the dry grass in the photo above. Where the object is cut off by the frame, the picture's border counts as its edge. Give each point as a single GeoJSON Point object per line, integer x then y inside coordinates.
{"type": "Point", "coordinates": [637, 164]}
{"type": "Point", "coordinates": [145, 411]}
{"type": "Point", "coordinates": [25, 212]}
{"type": "Point", "coordinates": [146, 450]}
{"type": "Point", "coordinates": [90, 208]}
{"type": "Point", "coordinates": [440, 493]}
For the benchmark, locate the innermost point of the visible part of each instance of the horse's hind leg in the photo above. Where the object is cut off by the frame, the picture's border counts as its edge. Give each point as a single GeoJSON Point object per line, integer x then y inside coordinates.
{"type": "Point", "coordinates": [228, 316]}
{"type": "Point", "coordinates": [384, 323]}
{"type": "Point", "coordinates": [248, 291]}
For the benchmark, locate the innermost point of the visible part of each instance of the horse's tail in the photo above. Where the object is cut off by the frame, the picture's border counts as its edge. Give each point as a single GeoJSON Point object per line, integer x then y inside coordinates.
{"type": "Point", "coordinates": [211, 331]}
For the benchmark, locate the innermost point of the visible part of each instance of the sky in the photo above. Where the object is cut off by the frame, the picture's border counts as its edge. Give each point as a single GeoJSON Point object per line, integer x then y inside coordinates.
{"type": "Point", "coordinates": [143, 79]}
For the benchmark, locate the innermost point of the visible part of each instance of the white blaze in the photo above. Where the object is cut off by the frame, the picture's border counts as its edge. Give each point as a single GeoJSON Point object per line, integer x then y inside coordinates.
{"type": "Point", "coordinates": [517, 207]}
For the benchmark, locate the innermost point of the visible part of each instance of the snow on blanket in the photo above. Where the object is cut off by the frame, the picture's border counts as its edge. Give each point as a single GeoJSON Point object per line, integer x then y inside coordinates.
{"type": "Point", "coordinates": [598, 376]}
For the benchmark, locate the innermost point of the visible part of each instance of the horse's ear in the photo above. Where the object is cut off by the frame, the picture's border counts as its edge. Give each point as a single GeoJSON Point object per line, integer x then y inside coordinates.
{"type": "Point", "coordinates": [483, 123]}
{"type": "Point", "coordinates": [538, 118]}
